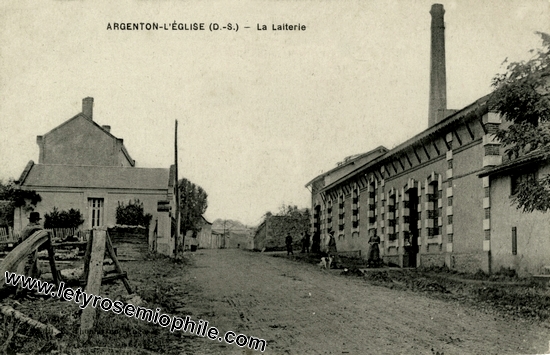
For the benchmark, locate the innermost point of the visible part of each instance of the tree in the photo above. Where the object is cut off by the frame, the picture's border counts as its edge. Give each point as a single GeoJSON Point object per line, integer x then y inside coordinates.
{"type": "Point", "coordinates": [15, 198]}
{"type": "Point", "coordinates": [193, 204]}
{"type": "Point", "coordinates": [522, 97]}
{"type": "Point", "coordinates": [132, 214]}
{"type": "Point", "coordinates": [293, 211]}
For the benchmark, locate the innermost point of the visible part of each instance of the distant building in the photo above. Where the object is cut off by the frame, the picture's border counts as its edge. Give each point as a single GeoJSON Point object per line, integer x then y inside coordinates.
{"type": "Point", "coordinates": [237, 239]}
{"type": "Point", "coordinates": [83, 166]}
{"type": "Point", "coordinates": [204, 236]}
{"type": "Point", "coordinates": [271, 233]}
{"type": "Point", "coordinates": [231, 234]}
{"type": "Point", "coordinates": [439, 198]}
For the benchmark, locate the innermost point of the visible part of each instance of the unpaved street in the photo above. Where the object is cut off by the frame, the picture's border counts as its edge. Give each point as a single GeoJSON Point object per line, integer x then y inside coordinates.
{"type": "Point", "coordinates": [300, 309]}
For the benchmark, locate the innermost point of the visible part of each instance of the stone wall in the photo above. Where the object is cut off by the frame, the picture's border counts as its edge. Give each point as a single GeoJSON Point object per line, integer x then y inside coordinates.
{"type": "Point", "coordinates": [271, 234]}
{"type": "Point", "coordinates": [428, 260]}
{"type": "Point", "coordinates": [467, 262]}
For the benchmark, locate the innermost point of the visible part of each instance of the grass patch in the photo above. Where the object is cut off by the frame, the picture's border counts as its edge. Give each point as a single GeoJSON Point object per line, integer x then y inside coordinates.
{"type": "Point", "coordinates": [112, 333]}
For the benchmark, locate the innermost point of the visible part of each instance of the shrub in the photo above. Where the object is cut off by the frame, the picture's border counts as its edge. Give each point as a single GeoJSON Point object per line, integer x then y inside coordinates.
{"type": "Point", "coordinates": [63, 219]}
{"type": "Point", "coordinates": [132, 214]}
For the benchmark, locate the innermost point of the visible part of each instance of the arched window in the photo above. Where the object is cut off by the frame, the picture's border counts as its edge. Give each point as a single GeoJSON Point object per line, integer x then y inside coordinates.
{"type": "Point", "coordinates": [392, 219]}
{"type": "Point", "coordinates": [432, 209]}
{"type": "Point", "coordinates": [341, 213]}
{"type": "Point", "coordinates": [329, 216]}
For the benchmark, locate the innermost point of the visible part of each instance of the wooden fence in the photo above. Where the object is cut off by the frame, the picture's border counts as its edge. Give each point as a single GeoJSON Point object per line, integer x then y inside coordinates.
{"type": "Point", "coordinates": [7, 235]}
{"type": "Point", "coordinates": [4, 234]}
{"type": "Point", "coordinates": [64, 233]}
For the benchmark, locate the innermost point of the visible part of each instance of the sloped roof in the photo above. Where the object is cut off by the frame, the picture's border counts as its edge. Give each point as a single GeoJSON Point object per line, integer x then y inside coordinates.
{"type": "Point", "coordinates": [351, 160]}
{"type": "Point", "coordinates": [475, 109]}
{"type": "Point", "coordinates": [110, 177]}
{"type": "Point", "coordinates": [512, 166]}
{"type": "Point", "coordinates": [78, 115]}
{"type": "Point", "coordinates": [81, 115]}
{"type": "Point", "coordinates": [352, 173]}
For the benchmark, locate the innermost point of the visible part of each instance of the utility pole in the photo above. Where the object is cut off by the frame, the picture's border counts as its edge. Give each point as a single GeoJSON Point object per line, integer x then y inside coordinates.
{"type": "Point", "coordinates": [224, 222]}
{"type": "Point", "coordinates": [178, 243]}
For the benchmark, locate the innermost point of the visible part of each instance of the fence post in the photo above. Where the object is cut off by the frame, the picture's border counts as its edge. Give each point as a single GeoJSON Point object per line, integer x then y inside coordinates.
{"type": "Point", "coordinates": [93, 282]}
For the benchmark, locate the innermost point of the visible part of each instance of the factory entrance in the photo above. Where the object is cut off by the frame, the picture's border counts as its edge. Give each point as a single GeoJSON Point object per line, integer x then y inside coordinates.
{"type": "Point", "coordinates": [411, 237]}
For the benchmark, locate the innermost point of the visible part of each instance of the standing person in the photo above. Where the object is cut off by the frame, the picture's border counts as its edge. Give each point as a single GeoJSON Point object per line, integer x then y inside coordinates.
{"type": "Point", "coordinates": [33, 226]}
{"type": "Point", "coordinates": [373, 256]}
{"type": "Point", "coordinates": [288, 242]}
{"type": "Point", "coordinates": [305, 243]}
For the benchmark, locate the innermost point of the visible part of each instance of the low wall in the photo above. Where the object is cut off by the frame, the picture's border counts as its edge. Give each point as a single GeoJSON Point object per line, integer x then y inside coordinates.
{"type": "Point", "coordinates": [428, 260]}
{"type": "Point", "coordinates": [130, 243]}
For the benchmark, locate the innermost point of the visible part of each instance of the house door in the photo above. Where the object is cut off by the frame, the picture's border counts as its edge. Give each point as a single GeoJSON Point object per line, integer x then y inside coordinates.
{"type": "Point", "coordinates": [95, 207]}
{"type": "Point", "coordinates": [316, 240]}
{"type": "Point", "coordinates": [413, 227]}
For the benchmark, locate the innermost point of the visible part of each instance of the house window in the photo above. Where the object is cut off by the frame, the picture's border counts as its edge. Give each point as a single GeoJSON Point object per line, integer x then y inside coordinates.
{"type": "Point", "coordinates": [329, 216]}
{"type": "Point", "coordinates": [517, 180]}
{"type": "Point", "coordinates": [433, 212]}
{"type": "Point", "coordinates": [95, 206]}
{"type": "Point", "coordinates": [392, 219]}
{"type": "Point", "coordinates": [372, 213]}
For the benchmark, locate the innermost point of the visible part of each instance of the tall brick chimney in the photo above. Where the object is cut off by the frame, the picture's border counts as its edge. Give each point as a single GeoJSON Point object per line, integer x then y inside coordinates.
{"type": "Point", "coordinates": [88, 107]}
{"type": "Point", "coordinates": [438, 81]}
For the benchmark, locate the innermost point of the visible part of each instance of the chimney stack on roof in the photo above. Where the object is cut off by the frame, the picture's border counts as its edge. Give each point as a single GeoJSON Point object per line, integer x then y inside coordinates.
{"type": "Point", "coordinates": [438, 81]}
{"type": "Point", "coordinates": [88, 107]}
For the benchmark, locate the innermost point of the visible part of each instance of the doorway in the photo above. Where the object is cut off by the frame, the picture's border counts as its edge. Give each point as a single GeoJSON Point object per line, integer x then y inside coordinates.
{"type": "Point", "coordinates": [411, 248]}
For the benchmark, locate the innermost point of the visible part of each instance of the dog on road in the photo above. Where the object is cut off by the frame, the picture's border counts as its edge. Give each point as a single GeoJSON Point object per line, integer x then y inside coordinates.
{"type": "Point", "coordinates": [326, 262]}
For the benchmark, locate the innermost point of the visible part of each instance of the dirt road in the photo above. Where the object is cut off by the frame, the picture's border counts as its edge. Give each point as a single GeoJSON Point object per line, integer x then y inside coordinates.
{"type": "Point", "coordinates": [300, 309]}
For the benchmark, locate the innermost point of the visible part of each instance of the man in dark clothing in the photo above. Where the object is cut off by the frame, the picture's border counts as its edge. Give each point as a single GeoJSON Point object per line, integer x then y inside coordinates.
{"type": "Point", "coordinates": [288, 242]}
{"type": "Point", "coordinates": [32, 227]}
{"type": "Point", "coordinates": [31, 267]}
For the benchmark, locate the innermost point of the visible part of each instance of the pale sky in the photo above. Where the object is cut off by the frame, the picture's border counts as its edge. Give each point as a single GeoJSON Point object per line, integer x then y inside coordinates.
{"type": "Point", "coordinates": [260, 113]}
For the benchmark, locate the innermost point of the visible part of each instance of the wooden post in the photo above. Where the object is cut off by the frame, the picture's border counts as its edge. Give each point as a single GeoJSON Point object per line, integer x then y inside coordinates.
{"type": "Point", "coordinates": [118, 267]}
{"type": "Point", "coordinates": [93, 283]}
{"type": "Point", "coordinates": [51, 257]}
{"type": "Point", "coordinates": [87, 256]}
{"type": "Point", "coordinates": [179, 243]}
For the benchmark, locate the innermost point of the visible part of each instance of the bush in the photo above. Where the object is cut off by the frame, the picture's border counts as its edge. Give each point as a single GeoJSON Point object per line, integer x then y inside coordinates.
{"type": "Point", "coordinates": [63, 219]}
{"type": "Point", "coordinates": [132, 214]}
